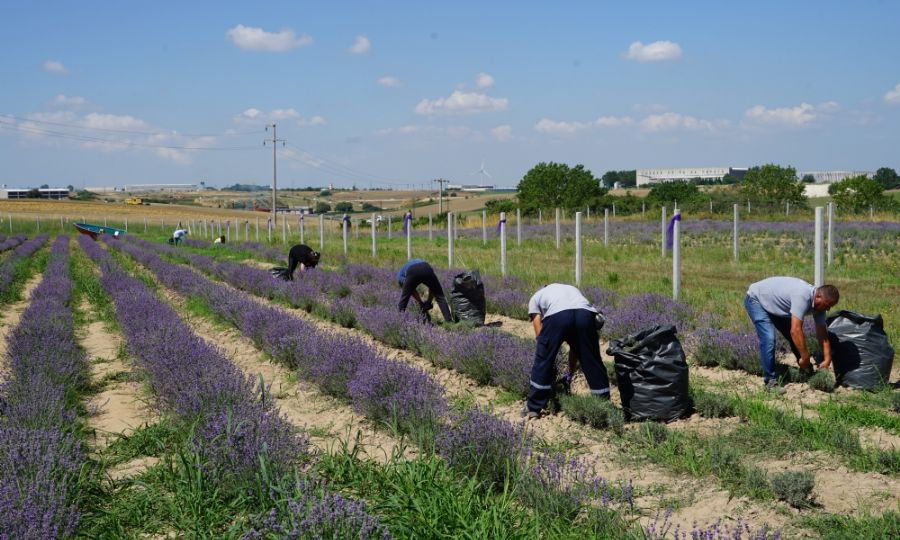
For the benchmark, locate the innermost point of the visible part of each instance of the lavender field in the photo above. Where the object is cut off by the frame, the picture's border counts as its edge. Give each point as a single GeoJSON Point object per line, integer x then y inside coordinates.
{"type": "Point", "coordinates": [151, 390]}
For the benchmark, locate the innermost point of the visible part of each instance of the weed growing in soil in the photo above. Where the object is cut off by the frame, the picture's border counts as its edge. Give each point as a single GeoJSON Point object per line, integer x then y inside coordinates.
{"type": "Point", "coordinates": [822, 381]}
{"type": "Point", "coordinates": [711, 405]}
{"type": "Point", "coordinates": [794, 488]}
{"type": "Point", "coordinates": [595, 412]}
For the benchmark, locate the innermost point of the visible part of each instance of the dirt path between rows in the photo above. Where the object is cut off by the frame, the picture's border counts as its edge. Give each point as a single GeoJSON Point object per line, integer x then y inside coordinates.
{"type": "Point", "coordinates": [329, 423]}
{"type": "Point", "coordinates": [10, 318]}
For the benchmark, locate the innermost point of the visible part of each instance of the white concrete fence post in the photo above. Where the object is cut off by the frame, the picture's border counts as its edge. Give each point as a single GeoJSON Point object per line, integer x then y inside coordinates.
{"type": "Point", "coordinates": [518, 226]}
{"type": "Point", "coordinates": [302, 229]}
{"type": "Point", "coordinates": [819, 248]}
{"type": "Point", "coordinates": [257, 228]}
{"type": "Point", "coordinates": [735, 235]}
{"type": "Point", "coordinates": [605, 227]}
{"type": "Point", "coordinates": [344, 231]}
{"type": "Point", "coordinates": [449, 239]}
{"type": "Point", "coordinates": [578, 254]}
{"type": "Point", "coordinates": [390, 222]}
{"type": "Point", "coordinates": [503, 244]}
{"type": "Point", "coordinates": [676, 255]}
{"type": "Point", "coordinates": [430, 227]}
{"type": "Point", "coordinates": [557, 228]}
{"type": "Point", "coordinates": [484, 227]}
{"type": "Point", "coordinates": [374, 245]}
{"type": "Point", "coordinates": [321, 232]}
{"type": "Point", "coordinates": [409, 227]}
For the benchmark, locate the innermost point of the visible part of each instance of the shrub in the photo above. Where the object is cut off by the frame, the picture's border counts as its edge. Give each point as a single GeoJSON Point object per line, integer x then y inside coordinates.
{"type": "Point", "coordinates": [711, 405]}
{"type": "Point", "coordinates": [794, 488]}
{"type": "Point", "coordinates": [823, 381]}
{"type": "Point", "coordinates": [481, 445]}
{"type": "Point", "coordinates": [593, 411]}
{"type": "Point", "coordinates": [895, 401]}
{"type": "Point", "coordinates": [652, 433]}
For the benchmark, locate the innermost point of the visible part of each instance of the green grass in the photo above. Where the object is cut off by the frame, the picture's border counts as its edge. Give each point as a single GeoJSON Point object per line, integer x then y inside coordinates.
{"type": "Point", "coordinates": [859, 416]}
{"type": "Point", "coordinates": [834, 527]}
{"type": "Point", "coordinates": [87, 288]}
{"type": "Point", "coordinates": [24, 270]}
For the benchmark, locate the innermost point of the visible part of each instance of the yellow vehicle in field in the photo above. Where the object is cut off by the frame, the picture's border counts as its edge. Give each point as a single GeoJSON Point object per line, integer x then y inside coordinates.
{"type": "Point", "coordinates": [134, 200]}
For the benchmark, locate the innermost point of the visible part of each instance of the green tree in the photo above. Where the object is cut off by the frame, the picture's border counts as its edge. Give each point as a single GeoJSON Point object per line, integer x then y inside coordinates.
{"type": "Point", "coordinates": [322, 207]}
{"type": "Point", "coordinates": [556, 185]}
{"type": "Point", "coordinates": [773, 184]}
{"type": "Point", "coordinates": [887, 177]}
{"type": "Point", "coordinates": [858, 193]}
{"type": "Point", "coordinates": [623, 178]}
{"type": "Point", "coordinates": [808, 179]}
{"type": "Point", "coordinates": [665, 193]}
{"type": "Point", "coordinates": [343, 207]}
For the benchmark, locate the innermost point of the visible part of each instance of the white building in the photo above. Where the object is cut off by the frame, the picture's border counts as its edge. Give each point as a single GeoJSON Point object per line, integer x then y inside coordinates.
{"type": "Point", "coordinates": [161, 187]}
{"type": "Point", "coordinates": [656, 176]}
{"type": "Point", "coordinates": [46, 193]}
{"type": "Point", "coordinates": [830, 177]}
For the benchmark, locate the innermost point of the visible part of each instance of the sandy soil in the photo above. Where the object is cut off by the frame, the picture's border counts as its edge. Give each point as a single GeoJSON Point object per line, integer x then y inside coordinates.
{"type": "Point", "coordinates": [328, 422]}
{"type": "Point", "coordinates": [10, 317]}
{"type": "Point", "coordinates": [121, 406]}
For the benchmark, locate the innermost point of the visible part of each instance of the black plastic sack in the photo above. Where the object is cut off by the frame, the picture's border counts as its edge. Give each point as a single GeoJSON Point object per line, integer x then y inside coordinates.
{"type": "Point", "coordinates": [280, 272]}
{"type": "Point", "coordinates": [467, 298]}
{"type": "Point", "coordinates": [652, 374]}
{"type": "Point", "coordinates": [860, 350]}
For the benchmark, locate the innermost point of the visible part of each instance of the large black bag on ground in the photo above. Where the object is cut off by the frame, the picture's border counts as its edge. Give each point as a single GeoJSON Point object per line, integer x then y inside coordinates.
{"type": "Point", "coordinates": [652, 374]}
{"type": "Point", "coordinates": [280, 272]}
{"type": "Point", "coordinates": [860, 350]}
{"type": "Point", "coordinates": [467, 298]}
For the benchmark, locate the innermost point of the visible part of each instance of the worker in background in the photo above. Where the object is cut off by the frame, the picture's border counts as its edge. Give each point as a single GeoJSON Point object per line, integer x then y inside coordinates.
{"type": "Point", "coordinates": [303, 256]}
{"type": "Point", "coordinates": [418, 272]}
{"type": "Point", "coordinates": [560, 313]}
{"type": "Point", "coordinates": [782, 303]}
{"type": "Point", "coordinates": [177, 235]}
{"type": "Point", "coordinates": [219, 240]}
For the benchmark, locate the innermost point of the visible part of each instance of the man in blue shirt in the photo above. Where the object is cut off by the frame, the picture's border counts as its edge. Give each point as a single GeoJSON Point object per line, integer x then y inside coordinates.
{"type": "Point", "coordinates": [782, 303]}
{"type": "Point", "coordinates": [418, 272]}
{"type": "Point", "coordinates": [560, 313]}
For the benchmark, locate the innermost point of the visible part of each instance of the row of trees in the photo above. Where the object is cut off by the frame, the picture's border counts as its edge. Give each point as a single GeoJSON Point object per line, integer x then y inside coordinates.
{"type": "Point", "coordinates": [767, 187]}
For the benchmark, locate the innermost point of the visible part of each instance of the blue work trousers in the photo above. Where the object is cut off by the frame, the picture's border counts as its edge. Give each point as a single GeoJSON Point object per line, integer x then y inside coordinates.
{"type": "Point", "coordinates": [577, 328]}
{"type": "Point", "coordinates": [766, 324]}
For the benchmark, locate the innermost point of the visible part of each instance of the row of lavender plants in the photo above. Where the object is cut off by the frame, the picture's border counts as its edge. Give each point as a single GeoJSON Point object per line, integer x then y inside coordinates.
{"type": "Point", "coordinates": [244, 445]}
{"type": "Point", "coordinates": [11, 242]}
{"type": "Point", "coordinates": [10, 265]}
{"type": "Point", "coordinates": [475, 442]}
{"type": "Point", "coordinates": [43, 463]}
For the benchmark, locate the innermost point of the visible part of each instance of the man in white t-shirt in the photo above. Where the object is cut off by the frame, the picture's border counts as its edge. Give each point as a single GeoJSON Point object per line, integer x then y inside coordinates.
{"type": "Point", "coordinates": [560, 313]}
{"type": "Point", "coordinates": [178, 234]}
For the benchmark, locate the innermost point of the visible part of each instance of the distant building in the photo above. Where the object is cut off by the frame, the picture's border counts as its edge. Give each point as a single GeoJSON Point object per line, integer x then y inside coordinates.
{"type": "Point", "coordinates": [46, 193]}
{"type": "Point", "coordinates": [469, 187]}
{"type": "Point", "coordinates": [656, 176]}
{"type": "Point", "coordinates": [830, 177]}
{"type": "Point", "coordinates": [161, 187]}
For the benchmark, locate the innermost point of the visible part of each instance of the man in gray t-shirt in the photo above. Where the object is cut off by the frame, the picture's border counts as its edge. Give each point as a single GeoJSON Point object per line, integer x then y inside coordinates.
{"type": "Point", "coordinates": [782, 303]}
{"type": "Point", "coordinates": [560, 313]}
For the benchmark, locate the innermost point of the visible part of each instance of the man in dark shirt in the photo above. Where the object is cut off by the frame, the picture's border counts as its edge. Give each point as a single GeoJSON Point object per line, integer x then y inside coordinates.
{"type": "Point", "coordinates": [303, 256]}
{"type": "Point", "coordinates": [418, 272]}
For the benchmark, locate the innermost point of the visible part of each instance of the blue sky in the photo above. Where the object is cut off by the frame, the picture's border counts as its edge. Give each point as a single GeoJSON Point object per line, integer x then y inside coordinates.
{"type": "Point", "coordinates": [390, 94]}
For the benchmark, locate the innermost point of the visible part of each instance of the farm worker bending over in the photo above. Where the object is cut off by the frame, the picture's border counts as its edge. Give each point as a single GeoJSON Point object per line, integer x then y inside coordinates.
{"type": "Point", "coordinates": [219, 240]}
{"type": "Point", "coordinates": [782, 303]}
{"type": "Point", "coordinates": [418, 272]}
{"type": "Point", "coordinates": [560, 314]}
{"type": "Point", "coordinates": [303, 256]}
{"type": "Point", "coordinates": [178, 234]}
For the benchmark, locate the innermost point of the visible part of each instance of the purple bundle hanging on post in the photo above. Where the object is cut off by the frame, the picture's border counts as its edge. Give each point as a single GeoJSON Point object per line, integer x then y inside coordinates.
{"type": "Point", "coordinates": [269, 225]}
{"type": "Point", "coordinates": [670, 230]}
{"type": "Point", "coordinates": [407, 218]}
{"type": "Point", "coordinates": [499, 223]}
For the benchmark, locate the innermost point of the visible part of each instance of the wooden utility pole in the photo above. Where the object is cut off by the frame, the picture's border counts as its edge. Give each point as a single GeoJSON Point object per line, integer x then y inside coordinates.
{"type": "Point", "coordinates": [441, 183]}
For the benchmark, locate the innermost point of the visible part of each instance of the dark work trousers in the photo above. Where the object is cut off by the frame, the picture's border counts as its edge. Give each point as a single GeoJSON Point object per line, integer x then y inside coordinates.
{"type": "Point", "coordinates": [577, 327]}
{"type": "Point", "coordinates": [300, 254]}
{"type": "Point", "coordinates": [423, 274]}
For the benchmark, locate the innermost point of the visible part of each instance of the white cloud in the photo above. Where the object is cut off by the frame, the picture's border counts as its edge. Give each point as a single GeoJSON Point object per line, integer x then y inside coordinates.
{"type": "Point", "coordinates": [361, 46]}
{"type": "Point", "coordinates": [256, 39]}
{"type": "Point", "coordinates": [54, 66]}
{"type": "Point", "coordinates": [389, 81]}
{"type": "Point", "coordinates": [69, 101]}
{"type": "Point", "coordinates": [114, 121]}
{"type": "Point", "coordinates": [256, 116]}
{"type": "Point", "coordinates": [483, 80]}
{"type": "Point", "coordinates": [502, 133]}
{"type": "Point", "coordinates": [658, 51]}
{"type": "Point", "coordinates": [556, 127]}
{"type": "Point", "coordinates": [797, 116]}
{"type": "Point", "coordinates": [461, 103]}
{"type": "Point", "coordinates": [671, 121]}
{"type": "Point", "coordinates": [893, 96]}
{"type": "Point", "coordinates": [402, 130]}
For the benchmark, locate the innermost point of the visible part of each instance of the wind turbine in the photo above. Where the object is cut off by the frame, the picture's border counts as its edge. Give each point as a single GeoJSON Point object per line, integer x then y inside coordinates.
{"type": "Point", "coordinates": [483, 172]}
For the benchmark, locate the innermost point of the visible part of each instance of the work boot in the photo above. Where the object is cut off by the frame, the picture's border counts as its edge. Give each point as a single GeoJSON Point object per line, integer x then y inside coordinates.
{"type": "Point", "coordinates": [528, 414]}
{"type": "Point", "coordinates": [773, 387]}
